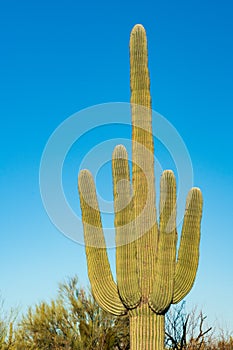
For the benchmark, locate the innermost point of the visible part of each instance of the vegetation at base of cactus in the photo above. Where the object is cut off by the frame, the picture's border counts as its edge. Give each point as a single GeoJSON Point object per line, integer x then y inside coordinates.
{"type": "Point", "coordinates": [149, 276]}
{"type": "Point", "coordinates": [72, 321]}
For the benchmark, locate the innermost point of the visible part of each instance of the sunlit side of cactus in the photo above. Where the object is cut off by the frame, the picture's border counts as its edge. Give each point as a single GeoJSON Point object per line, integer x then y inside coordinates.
{"type": "Point", "coordinates": [150, 277]}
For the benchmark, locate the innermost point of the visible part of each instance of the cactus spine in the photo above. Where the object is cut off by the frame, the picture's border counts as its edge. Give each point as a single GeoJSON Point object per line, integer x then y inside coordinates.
{"type": "Point", "coordinates": [149, 276]}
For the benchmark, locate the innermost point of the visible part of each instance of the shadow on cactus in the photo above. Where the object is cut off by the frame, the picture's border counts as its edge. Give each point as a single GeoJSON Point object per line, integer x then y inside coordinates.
{"type": "Point", "coordinates": [150, 275]}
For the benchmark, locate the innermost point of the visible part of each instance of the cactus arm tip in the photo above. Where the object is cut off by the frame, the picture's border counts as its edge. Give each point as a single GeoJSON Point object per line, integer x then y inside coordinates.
{"type": "Point", "coordinates": [138, 27]}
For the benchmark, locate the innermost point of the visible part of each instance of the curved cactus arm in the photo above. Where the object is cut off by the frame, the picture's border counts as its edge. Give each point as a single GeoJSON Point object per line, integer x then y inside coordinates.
{"type": "Point", "coordinates": [163, 288]}
{"type": "Point", "coordinates": [103, 286]}
{"type": "Point", "coordinates": [126, 263]}
{"type": "Point", "coordinates": [143, 160]}
{"type": "Point", "coordinates": [188, 255]}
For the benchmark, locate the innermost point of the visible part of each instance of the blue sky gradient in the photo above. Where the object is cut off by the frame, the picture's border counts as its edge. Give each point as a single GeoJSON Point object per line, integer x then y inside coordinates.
{"type": "Point", "coordinates": [58, 57]}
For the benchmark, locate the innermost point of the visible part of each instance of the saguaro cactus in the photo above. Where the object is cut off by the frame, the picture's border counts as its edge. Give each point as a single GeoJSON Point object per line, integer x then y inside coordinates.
{"type": "Point", "coordinates": [150, 277]}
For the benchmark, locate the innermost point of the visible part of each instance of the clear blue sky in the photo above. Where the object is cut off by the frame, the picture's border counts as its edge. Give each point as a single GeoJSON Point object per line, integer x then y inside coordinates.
{"type": "Point", "coordinates": [58, 57]}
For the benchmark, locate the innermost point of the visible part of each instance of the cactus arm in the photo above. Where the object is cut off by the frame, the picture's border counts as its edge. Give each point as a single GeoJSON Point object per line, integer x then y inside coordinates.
{"type": "Point", "coordinates": [163, 288]}
{"type": "Point", "coordinates": [188, 255]}
{"type": "Point", "coordinates": [126, 264]}
{"type": "Point", "coordinates": [103, 286]}
{"type": "Point", "coordinates": [143, 159]}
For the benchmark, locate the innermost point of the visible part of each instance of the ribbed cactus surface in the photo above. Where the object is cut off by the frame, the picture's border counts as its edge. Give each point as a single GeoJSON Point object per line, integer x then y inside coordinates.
{"type": "Point", "coordinates": [150, 275]}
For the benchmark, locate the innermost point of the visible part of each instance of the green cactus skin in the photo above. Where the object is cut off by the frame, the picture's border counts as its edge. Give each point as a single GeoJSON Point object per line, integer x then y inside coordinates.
{"type": "Point", "coordinates": [149, 276]}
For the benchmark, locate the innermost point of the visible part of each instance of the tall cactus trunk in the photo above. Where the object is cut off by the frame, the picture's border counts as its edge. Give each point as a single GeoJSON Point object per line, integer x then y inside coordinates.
{"type": "Point", "coordinates": [150, 275]}
{"type": "Point", "coordinates": [147, 332]}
